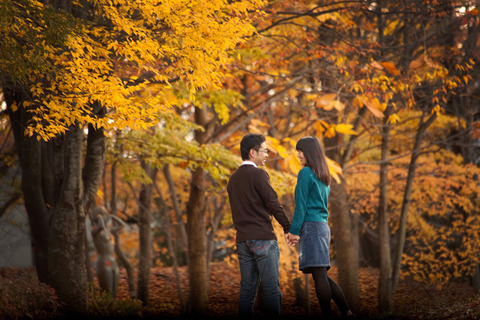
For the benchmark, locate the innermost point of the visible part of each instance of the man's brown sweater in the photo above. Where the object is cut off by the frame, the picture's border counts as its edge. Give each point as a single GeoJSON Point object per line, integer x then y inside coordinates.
{"type": "Point", "coordinates": [254, 202]}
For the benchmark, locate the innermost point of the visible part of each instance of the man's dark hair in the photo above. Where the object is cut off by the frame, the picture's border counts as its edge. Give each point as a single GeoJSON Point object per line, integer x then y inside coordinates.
{"type": "Point", "coordinates": [250, 141]}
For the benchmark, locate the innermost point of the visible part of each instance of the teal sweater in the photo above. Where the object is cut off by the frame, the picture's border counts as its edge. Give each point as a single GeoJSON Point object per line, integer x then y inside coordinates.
{"type": "Point", "coordinates": [311, 200]}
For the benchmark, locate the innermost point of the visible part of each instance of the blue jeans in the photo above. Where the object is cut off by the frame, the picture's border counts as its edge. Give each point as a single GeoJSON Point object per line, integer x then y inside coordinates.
{"type": "Point", "coordinates": [259, 261]}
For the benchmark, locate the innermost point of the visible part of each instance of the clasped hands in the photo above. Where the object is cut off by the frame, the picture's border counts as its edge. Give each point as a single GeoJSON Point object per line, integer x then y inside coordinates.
{"type": "Point", "coordinates": [291, 239]}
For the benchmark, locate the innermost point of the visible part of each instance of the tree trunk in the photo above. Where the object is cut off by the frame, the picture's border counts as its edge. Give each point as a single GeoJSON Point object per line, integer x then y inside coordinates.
{"type": "Point", "coordinates": [197, 245]}
{"type": "Point", "coordinates": [196, 228]}
{"type": "Point", "coordinates": [385, 295]}
{"type": "Point", "coordinates": [342, 226]}
{"type": "Point", "coordinates": [94, 167]}
{"type": "Point", "coordinates": [145, 230]}
{"type": "Point", "coordinates": [52, 190]}
{"type": "Point", "coordinates": [53, 193]}
{"type": "Point", "coordinates": [29, 154]}
{"type": "Point", "coordinates": [176, 208]}
{"type": "Point", "coordinates": [118, 250]}
{"type": "Point", "coordinates": [164, 212]}
{"type": "Point", "coordinates": [66, 239]}
{"type": "Point", "coordinates": [402, 229]}
{"type": "Point", "coordinates": [214, 222]}
{"type": "Point", "coordinates": [346, 255]}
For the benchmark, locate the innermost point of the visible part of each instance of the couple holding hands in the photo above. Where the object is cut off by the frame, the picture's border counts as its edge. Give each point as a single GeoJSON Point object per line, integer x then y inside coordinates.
{"type": "Point", "coordinates": [254, 203]}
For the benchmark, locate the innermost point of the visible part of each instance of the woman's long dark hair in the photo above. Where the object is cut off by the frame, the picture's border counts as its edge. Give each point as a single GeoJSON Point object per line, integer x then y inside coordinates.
{"type": "Point", "coordinates": [315, 158]}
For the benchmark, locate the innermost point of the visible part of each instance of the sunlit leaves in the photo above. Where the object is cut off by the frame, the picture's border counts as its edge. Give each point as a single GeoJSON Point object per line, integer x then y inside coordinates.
{"type": "Point", "coordinates": [328, 102]}
{"type": "Point", "coordinates": [70, 63]}
{"type": "Point", "coordinates": [172, 143]}
{"type": "Point", "coordinates": [221, 100]}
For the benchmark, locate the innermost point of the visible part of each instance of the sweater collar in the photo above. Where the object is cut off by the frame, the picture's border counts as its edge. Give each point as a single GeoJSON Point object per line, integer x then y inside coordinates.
{"type": "Point", "coordinates": [246, 162]}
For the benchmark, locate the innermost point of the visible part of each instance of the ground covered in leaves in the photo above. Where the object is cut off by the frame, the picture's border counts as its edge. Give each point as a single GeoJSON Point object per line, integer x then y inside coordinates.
{"type": "Point", "coordinates": [23, 297]}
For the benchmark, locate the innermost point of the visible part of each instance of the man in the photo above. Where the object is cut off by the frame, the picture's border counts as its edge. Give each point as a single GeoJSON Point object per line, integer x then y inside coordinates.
{"type": "Point", "coordinates": [254, 203]}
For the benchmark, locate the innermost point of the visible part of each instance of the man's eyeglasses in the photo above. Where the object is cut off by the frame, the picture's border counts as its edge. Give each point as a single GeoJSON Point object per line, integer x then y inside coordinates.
{"type": "Point", "coordinates": [263, 150]}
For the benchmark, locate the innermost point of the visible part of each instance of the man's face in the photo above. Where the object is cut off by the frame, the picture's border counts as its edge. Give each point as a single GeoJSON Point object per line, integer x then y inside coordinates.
{"type": "Point", "coordinates": [259, 157]}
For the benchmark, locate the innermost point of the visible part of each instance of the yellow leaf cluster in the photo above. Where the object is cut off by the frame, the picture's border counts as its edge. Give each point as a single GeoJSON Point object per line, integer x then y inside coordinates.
{"type": "Point", "coordinates": [69, 64]}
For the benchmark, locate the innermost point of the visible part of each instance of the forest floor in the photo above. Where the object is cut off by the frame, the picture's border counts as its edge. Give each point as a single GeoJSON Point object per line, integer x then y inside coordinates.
{"type": "Point", "coordinates": [412, 299]}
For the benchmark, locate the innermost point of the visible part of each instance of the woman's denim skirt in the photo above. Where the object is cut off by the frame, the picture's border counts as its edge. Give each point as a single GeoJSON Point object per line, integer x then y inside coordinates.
{"type": "Point", "coordinates": [314, 246]}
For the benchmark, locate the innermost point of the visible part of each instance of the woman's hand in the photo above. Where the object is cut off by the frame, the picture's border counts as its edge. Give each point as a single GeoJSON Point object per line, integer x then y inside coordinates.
{"type": "Point", "coordinates": [291, 239]}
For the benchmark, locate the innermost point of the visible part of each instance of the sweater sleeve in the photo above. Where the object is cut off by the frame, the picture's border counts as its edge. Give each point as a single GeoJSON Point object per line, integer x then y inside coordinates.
{"type": "Point", "coordinates": [271, 201]}
{"type": "Point", "coordinates": [301, 197]}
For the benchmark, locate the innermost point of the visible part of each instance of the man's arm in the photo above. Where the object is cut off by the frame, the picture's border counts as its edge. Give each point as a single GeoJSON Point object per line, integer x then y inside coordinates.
{"type": "Point", "coordinates": [272, 202]}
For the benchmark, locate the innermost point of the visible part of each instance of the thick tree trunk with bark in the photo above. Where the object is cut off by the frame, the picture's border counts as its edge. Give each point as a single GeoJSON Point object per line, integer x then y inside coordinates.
{"type": "Point", "coordinates": [67, 231]}
{"type": "Point", "coordinates": [346, 255]}
{"type": "Point", "coordinates": [53, 193]}
{"type": "Point", "coordinates": [196, 231]}
{"type": "Point", "coordinates": [29, 153]}
{"type": "Point", "coordinates": [197, 245]}
{"type": "Point", "coordinates": [342, 228]}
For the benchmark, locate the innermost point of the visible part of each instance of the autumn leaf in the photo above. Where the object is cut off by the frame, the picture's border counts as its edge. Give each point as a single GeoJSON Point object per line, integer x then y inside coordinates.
{"type": "Point", "coordinates": [373, 105]}
{"type": "Point", "coordinates": [390, 67]}
{"type": "Point", "coordinates": [345, 129]}
{"type": "Point", "coordinates": [335, 169]}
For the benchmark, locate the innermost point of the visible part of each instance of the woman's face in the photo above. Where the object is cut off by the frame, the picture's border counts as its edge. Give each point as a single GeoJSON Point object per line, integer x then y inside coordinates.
{"type": "Point", "coordinates": [300, 156]}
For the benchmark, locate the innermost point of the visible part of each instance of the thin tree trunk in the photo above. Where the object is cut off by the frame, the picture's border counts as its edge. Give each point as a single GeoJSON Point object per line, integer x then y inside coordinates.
{"type": "Point", "coordinates": [385, 295]}
{"type": "Point", "coordinates": [402, 230]}
{"type": "Point", "coordinates": [182, 231]}
{"type": "Point", "coordinates": [145, 230]}
{"type": "Point", "coordinates": [94, 168]}
{"type": "Point", "coordinates": [118, 250]}
{"type": "Point", "coordinates": [215, 219]}
{"type": "Point", "coordinates": [91, 173]}
{"type": "Point", "coordinates": [176, 208]}
{"type": "Point", "coordinates": [162, 207]}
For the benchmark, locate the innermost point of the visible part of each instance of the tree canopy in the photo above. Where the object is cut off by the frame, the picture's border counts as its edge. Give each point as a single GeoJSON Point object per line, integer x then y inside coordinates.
{"type": "Point", "coordinates": [121, 54]}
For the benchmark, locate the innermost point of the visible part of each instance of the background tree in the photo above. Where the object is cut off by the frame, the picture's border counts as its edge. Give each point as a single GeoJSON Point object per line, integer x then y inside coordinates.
{"type": "Point", "coordinates": [87, 63]}
{"type": "Point", "coordinates": [340, 67]}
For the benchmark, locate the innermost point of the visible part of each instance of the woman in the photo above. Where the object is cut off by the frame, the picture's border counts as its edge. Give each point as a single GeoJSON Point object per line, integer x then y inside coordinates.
{"type": "Point", "coordinates": [310, 224]}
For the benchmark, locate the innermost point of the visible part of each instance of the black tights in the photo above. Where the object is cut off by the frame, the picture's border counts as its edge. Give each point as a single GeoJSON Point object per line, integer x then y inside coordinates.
{"type": "Point", "coordinates": [327, 289]}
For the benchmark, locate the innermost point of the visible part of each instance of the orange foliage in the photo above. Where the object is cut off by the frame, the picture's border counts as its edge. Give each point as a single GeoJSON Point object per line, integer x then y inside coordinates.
{"type": "Point", "coordinates": [443, 232]}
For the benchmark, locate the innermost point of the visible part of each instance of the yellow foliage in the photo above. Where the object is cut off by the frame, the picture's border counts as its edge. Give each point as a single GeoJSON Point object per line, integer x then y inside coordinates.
{"type": "Point", "coordinates": [326, 101]}
{"type": "Point", "coordinates": [126, 67]}
{"type": "Point", "coordinates": [345, 129]}
{"type": "Point", "coordinates": [443, 231]}
{"type": "Point", "coordinates": [394, 118]}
